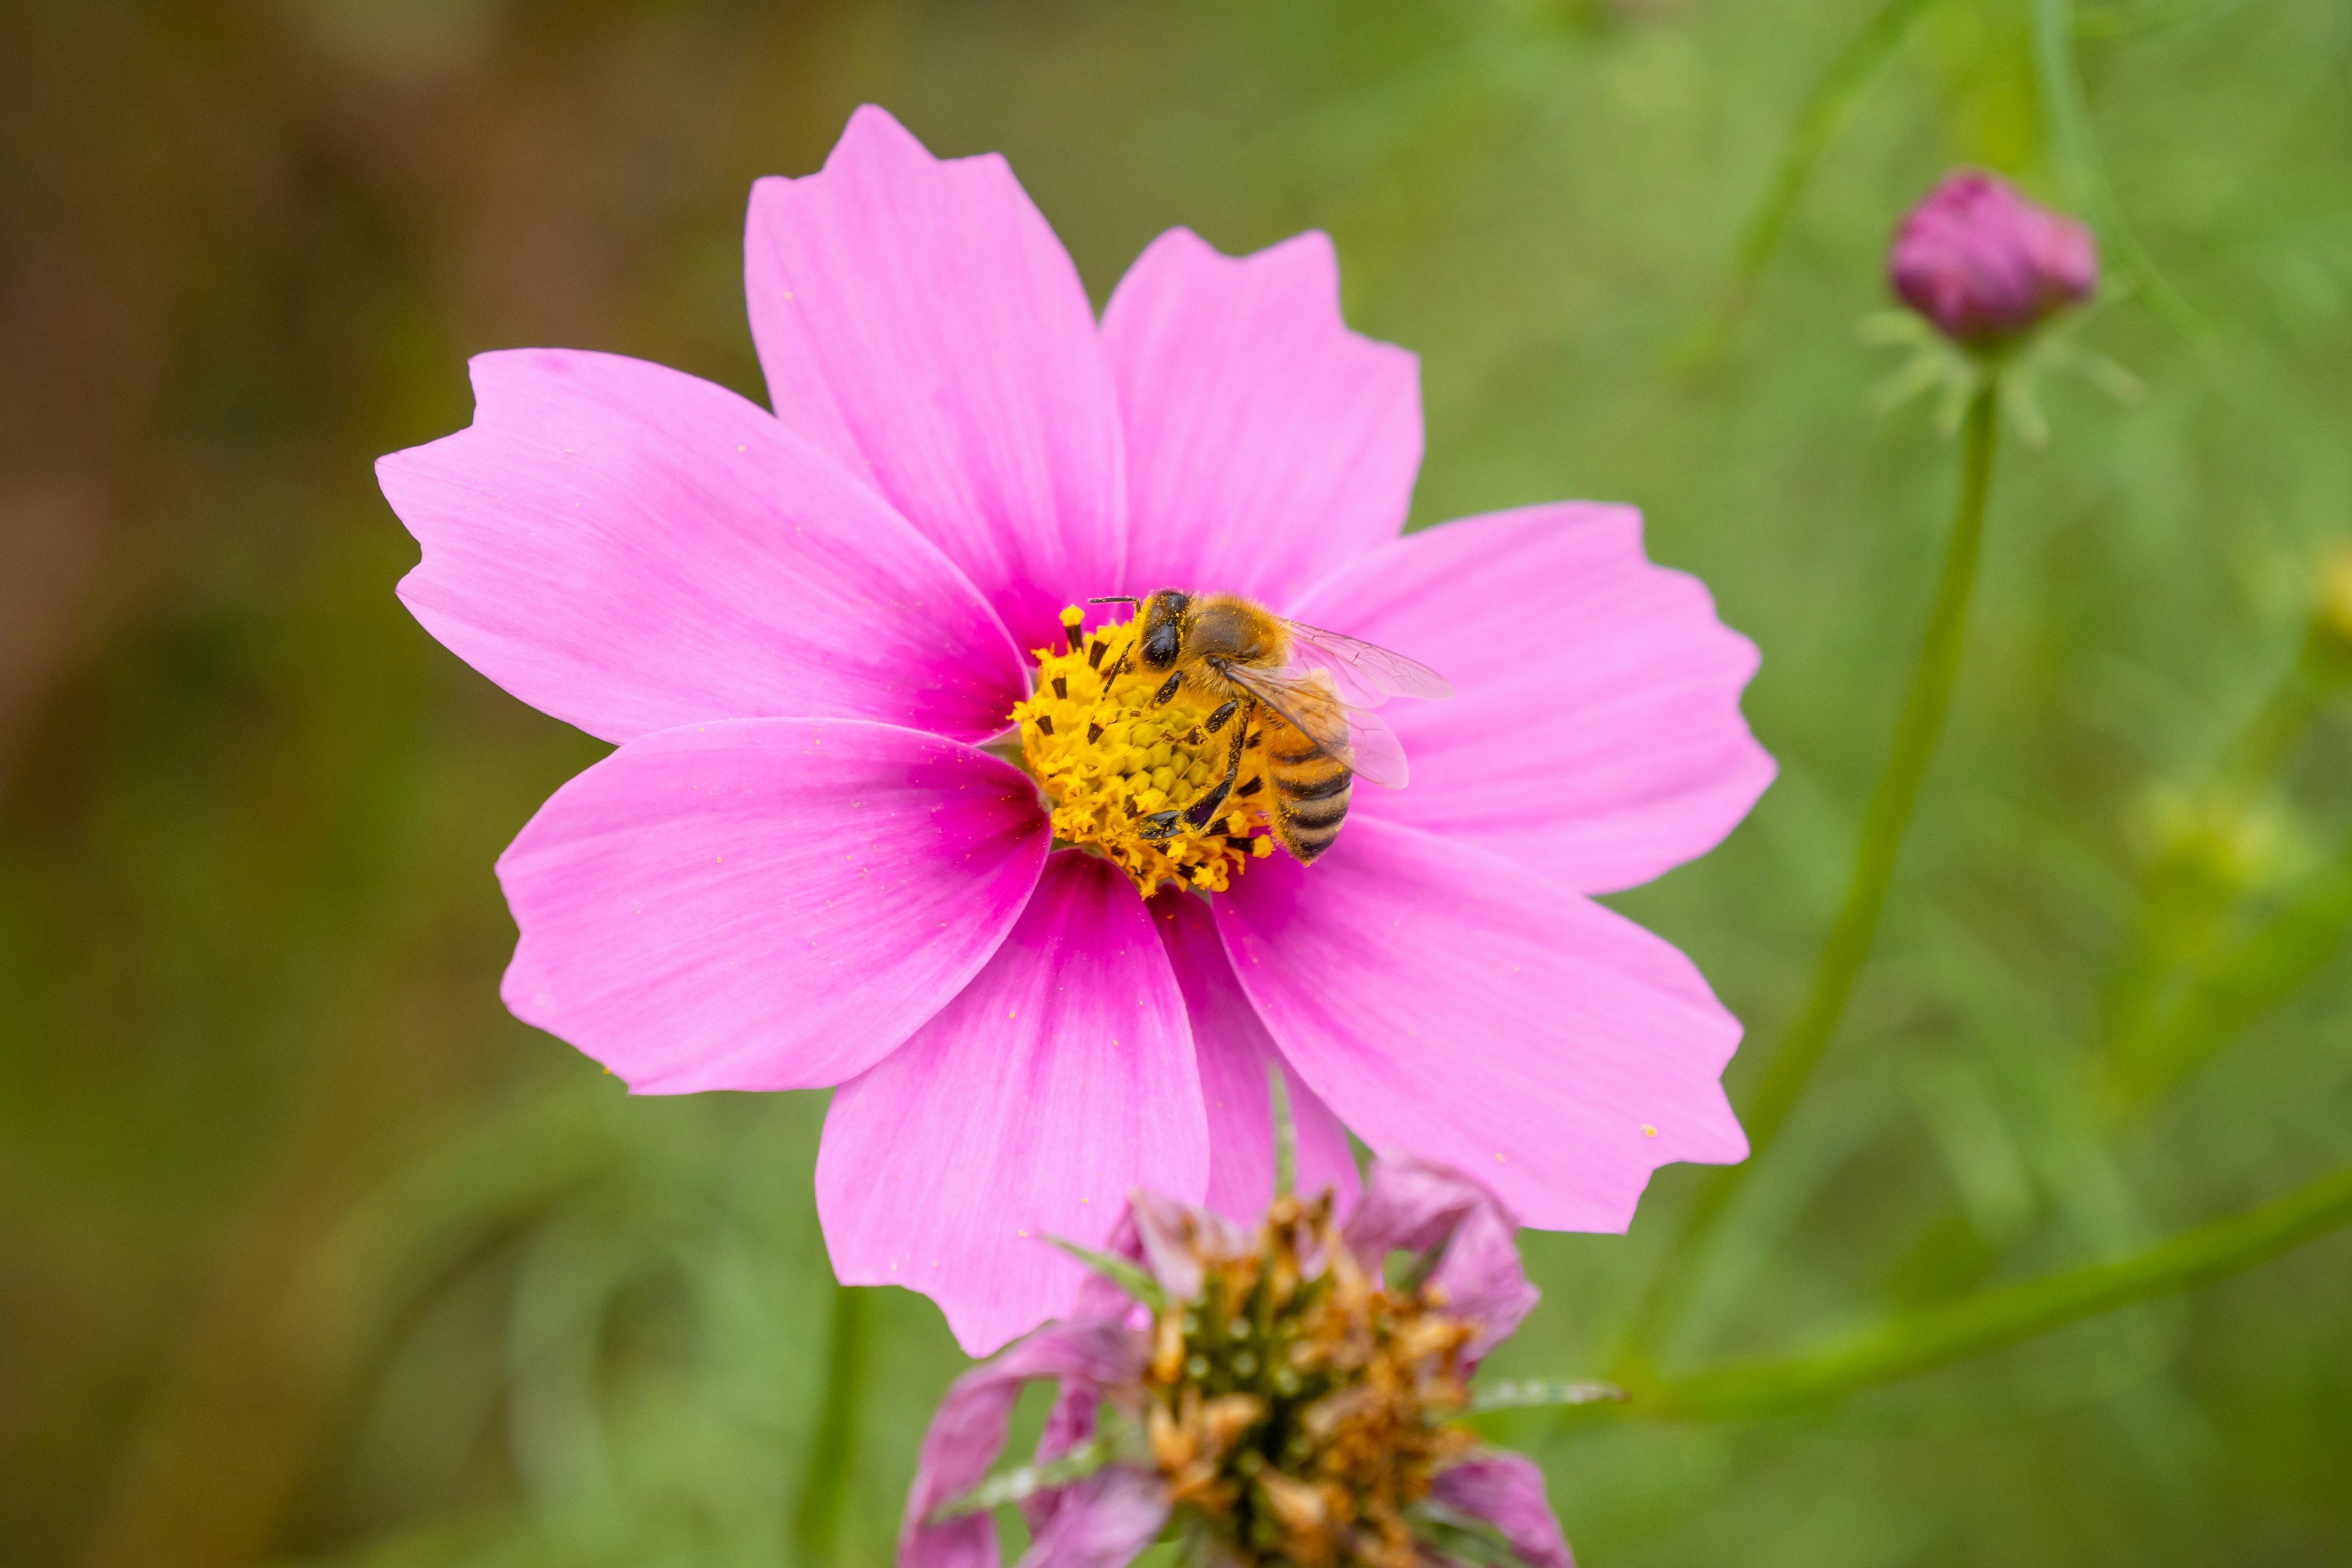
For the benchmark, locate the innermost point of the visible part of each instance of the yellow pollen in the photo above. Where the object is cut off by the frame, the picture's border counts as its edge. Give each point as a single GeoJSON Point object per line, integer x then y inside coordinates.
{"type": "Point", "coordinates": [1108, 759]}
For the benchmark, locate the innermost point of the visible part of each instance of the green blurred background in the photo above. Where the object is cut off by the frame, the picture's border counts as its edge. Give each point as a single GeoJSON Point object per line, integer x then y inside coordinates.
{"type": "Point", "coordinates": [309, 1254]}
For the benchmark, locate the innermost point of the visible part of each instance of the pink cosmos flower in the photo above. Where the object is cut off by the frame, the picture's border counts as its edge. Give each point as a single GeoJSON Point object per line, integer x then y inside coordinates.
{"type": "Point", "coordinates": [801, 868]}
{"type": "Point", "coordinates": [1281, 1397]}
{"type": "Point", "coordinates": [1984, 264]}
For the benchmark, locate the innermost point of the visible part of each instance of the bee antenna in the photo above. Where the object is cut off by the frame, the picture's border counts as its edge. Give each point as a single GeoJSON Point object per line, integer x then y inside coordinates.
{"type": "Point", "coordinates": [1117, 599]}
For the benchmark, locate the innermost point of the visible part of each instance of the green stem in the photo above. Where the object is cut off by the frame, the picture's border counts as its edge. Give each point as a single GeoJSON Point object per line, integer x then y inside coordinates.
{"type": "Point", "coordinates": [1841, 956]}
{"type": "Point", "coordinates": [2263, 748]}
{"type": "Point", "coordinates": [2230, 992]}
{"type": "Point", "coordinates": [818, 1520]}
{"type": "Point", "coordinates": [2190, 891]}
{"type": "Point", "coordinates": [1286, 1132]}
{"type": "Point", "coordinates": [1827, 110]}
{"type": "Point", "coordinates": [1993, 1319]}
{"type": "Point", "coordinates": [2058, 79]}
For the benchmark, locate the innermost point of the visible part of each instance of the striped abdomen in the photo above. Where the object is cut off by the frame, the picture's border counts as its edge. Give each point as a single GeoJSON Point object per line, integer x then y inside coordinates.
{"type": "Point", "coordinates": [1310, 790]}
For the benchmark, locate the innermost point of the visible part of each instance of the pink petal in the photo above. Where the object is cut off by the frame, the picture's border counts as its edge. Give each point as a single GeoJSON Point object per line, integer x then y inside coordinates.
{"type": "Point", "coordinates": [629, 548]}
{"type": "Point", "coordinates": [1174, 1234]}
{"type": "Point", "coordinates": [1103, 1521]}
{"type": "Point", "coordinates": [1596, 738]}
{"type": "Point", "coordinates": [765, 903]}
{"type": "Point", "coordinates": [1266, 442]}
{"type": "Point", "coordinates": [1072, 1419]}
{"type": "Point", "coordinates": [1413, 1205]}
{"type": "Point", "coordinates": [1446, 1001]}
{"type": "Point", "coordinates": [1234, 1051]}
{"type": "Point", "coordinates": [1507, 1490]}
{"type": "Point", "coordinates": [1070, 1422]}
{"type": "Point", "coordinates": [968, 1432]}
{"type": "Point", "coordinates": [1100, 1298]}
{"type": "Point", "coordinates": [917, 320]}
{"type": "Point", "coordinates": [1059, 1081]}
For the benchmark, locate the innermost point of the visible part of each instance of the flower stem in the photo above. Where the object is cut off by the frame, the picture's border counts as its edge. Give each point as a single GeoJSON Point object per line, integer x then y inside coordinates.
{"type": "Point", "coordinates": [2075, 145]}
{"type": "Point", "coordinates": [2232, 989]}
{"type": "Point", "coordinates": [1841, 956]}
{"type": "Point", "coordinates": [1286, 1132]}
{"type": "Point", "coordinates": [1993, 1319]}
{"type": "Point", "coordinates": [818, 1520]}
{"type": "Point", "coordinates": [1827, 110]}
{"type": "Point", "coordinates": [2188, 896]}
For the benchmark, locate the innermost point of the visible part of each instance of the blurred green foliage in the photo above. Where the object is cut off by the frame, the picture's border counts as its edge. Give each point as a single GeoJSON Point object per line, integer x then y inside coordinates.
{"type": "Point", "coordinates": [309, 1254]}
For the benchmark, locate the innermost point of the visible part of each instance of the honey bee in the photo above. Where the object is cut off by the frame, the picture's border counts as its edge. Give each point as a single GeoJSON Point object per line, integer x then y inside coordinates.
{"type": "Point", "coordinates": [1310, 692]}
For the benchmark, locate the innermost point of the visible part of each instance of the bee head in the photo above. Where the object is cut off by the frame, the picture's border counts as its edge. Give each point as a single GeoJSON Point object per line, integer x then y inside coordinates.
{"type": "Point", "coordinates": [1163, 628]}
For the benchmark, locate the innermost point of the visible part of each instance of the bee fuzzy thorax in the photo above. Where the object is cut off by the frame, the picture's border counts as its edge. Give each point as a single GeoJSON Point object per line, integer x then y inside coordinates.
{"type": "Point", "coordinates": [1114, 760]}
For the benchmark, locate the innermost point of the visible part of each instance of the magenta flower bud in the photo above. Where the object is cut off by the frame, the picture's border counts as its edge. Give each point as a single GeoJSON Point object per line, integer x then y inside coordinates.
{"type": "Point", "coordinates": [1984, 264]}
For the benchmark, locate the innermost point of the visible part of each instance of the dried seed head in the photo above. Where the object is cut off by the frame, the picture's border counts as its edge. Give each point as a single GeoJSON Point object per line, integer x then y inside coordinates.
{"type": "Point", "coordinates": [1299, 1405]}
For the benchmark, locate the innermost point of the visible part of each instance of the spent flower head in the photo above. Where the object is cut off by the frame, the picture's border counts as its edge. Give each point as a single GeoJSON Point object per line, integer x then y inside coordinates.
{"type": "Point", "coordinates": [1281, 1397]}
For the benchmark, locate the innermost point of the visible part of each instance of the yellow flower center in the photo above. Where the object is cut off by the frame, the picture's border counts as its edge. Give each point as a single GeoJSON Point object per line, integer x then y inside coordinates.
{"type": "Point", "coordinates": [1127, 774]}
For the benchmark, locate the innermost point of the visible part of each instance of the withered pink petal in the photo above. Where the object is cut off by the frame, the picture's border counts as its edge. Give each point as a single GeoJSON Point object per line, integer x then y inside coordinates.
{"type": "Point", "coordinates": [1059, 1081]}
{"type": "Point", "coordinates": [917, 320]}
{"type": "Point", "coordinates": [1444, 1000]}
{"type": "Point", "coordinates": [1483, 1280]}
{"type": "Point", "coordinates": [1507, 1490]}
{"type": "Point", "coordinates": [968, 1432]}
{"type": "Point", "coordinates": [1266, 442]}
{"type": "Point", "coordinates": [1173, 1232]}
{"type": "Point", "coordinates": [1102, 1521]}
{"type": "Point", "coordinates": [1103, 1299]}
{"type": "Point", "coordinates": [1235, 1053]}
{"type": "Point", "coordinates": [1069, 1423]}
{"type": "Point", "coordinates": [1413, 1205]}
{"type": "Point", "coordinates": [1595, 737]}
{"type": "Point", "coordinates": [765, 903]}
{"type": "Point", "coordinates": [629, 548]}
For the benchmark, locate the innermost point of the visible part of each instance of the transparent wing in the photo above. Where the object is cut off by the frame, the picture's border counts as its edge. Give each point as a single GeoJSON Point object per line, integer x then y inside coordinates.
{"type": "Point", "coordinates": [1366, 675]}
{"type": "Point", "coordinates": [1310, 704]}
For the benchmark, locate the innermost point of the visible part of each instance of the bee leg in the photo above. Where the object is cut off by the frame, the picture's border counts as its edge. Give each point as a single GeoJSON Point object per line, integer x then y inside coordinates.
{"type": "Point", "coordinates": [1163, 825]}
{"type": "Point", "coordinates": [1206, 809]}
{"type": "Point", "coordinates": [1216, 721]}
{"type": "Point", "coordinates": [1202, 809]}
{"type": "Point", "coordinates": [1166, 688]}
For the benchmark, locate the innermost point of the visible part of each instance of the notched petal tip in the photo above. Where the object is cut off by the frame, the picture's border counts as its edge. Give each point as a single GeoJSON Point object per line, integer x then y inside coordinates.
{"type": "Point", "coordinates": [1316, 429]}
{"type": "Point", "coordinates": [765, 904]}
{"type": "Point", "coordinates": [916, 319]}
{"type": "Point", "coordinates": [629, 548]}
